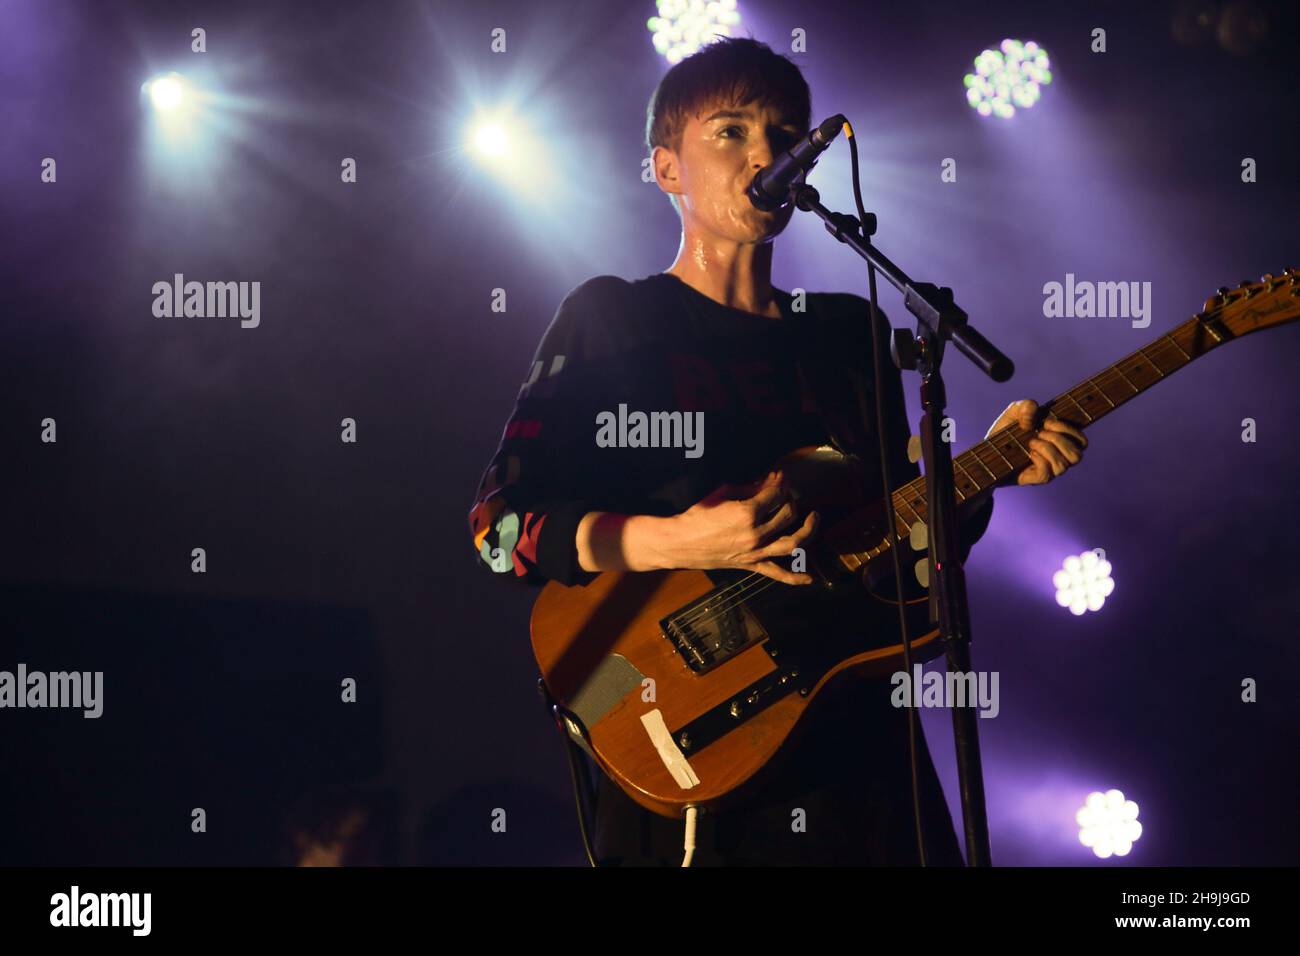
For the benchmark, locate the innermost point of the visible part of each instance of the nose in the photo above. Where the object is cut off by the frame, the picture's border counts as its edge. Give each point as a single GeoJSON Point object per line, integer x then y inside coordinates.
{"type": "Point", "coordinates": [763, 153]}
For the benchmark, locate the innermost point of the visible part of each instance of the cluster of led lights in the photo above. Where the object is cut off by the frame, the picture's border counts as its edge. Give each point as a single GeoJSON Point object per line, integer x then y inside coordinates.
{"type": "Point", "coordinates": [1108, 824]}
{"type": "Point", "coordinates": [1083, 583]}
{"type": "Point", "coordinates": [683, 26]}
{"type": "Point", "coordinates": [1006, 78]}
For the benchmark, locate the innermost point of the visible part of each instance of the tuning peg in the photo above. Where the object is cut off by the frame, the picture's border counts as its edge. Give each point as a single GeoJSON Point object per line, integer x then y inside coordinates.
{"type": "Point", "coordinates": [1266, 277]}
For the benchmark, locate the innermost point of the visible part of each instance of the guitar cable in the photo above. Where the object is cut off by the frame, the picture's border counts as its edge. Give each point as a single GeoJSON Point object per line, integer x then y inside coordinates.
{"type": "Point", "coordinates": [877, 327]}
{"type": "Point", "coordinates": [576, 755]}
{"type": "Point", "coordinates": [692, 814]}
{"type": "Point", "coordinates": [585, 809]}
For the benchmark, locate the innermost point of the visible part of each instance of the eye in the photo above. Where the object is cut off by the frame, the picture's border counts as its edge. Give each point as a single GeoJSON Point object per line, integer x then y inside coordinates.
{"type": "Point", "coordinates": [727, 129]}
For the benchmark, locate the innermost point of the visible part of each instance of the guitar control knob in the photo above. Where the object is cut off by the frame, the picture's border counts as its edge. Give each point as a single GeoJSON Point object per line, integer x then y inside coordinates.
{"type": "Point", "coordinates": [736, 709]}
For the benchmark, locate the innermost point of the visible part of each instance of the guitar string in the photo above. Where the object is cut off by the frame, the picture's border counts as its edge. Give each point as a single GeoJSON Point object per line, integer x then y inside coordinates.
{"type": "Point", "coordinates": [749, 582]}
{"type": "Point", "coordinates": [744, 590]}
{"type": "Point", "coordinates": [751, 585]}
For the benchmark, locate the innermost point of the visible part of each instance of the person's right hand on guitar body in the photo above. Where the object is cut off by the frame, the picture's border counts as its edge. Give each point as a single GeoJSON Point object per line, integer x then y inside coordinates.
{"type": "Point", "coordinates": [748, 527]}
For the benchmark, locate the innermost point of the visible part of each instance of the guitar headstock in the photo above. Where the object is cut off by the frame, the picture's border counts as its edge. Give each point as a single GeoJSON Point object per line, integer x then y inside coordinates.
{"type": "Point", "coordinates": [1252, 306]}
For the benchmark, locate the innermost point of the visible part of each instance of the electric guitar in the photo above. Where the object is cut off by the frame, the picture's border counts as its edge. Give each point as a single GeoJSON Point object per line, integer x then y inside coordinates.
{"type": "Point", "coordinates": [684, 685]}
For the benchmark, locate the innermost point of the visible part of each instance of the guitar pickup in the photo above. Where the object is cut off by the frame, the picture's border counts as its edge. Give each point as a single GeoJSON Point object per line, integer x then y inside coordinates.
{"type": "Point", "coordinates": [711, 629]}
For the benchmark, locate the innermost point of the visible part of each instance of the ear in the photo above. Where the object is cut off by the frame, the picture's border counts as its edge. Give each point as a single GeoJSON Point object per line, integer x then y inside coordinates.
{"type": "Point", "coordinates": [667, 171]}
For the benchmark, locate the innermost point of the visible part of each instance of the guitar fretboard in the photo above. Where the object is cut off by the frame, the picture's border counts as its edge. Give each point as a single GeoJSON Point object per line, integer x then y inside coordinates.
{"type": "Point", "coordinates": [1006, 452]}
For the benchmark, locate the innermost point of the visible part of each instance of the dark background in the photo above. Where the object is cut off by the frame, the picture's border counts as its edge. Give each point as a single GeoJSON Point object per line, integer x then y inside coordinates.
{"type": "Point", "coordinates": [329, 560]}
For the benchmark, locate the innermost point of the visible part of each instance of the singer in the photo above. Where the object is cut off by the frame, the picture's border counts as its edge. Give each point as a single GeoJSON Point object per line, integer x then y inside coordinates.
{"type": "Point", "coordinates": [769, 374]}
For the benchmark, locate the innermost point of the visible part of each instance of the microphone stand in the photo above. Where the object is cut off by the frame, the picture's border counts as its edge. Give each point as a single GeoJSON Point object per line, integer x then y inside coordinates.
{"type": "Point", "coordinates": [939, 320]}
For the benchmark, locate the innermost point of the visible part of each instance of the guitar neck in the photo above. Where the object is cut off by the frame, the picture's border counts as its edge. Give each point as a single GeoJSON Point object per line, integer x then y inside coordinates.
{"type": "Point", "coordinates": [1006, 452]}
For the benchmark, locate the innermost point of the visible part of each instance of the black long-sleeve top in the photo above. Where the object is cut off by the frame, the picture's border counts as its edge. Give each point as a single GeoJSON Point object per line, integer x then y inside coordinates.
{"type": "Point", "coordinates": [761, 387]}
{"type": "Point", "coordinates": [656, 345]}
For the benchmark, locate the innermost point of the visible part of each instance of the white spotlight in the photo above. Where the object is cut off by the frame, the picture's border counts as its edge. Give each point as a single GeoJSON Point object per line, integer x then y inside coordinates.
{"type": "Point", "coordinates": [506, 145]}
{"type": "Point", "coordinates": [490, 139]}
{"type": "Point", "coordinates": [682, 27]}
{"type": "Point", "coordinates": [1084, 582]}
{"type": "Point", "coordinates": [167, 92]}
{"type": "Point", "coordinates": [1108, 824]}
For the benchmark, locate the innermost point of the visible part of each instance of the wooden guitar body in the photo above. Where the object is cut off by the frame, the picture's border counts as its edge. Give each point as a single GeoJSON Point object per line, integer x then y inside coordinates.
{"type": "Point", "coordinates": [685, 685]}
{"type": "Point", "coordinates": [729, 687]}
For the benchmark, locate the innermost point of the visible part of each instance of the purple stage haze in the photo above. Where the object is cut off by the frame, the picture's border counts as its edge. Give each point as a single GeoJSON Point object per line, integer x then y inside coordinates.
{"type": "Point", "coordinates": [375, 305]}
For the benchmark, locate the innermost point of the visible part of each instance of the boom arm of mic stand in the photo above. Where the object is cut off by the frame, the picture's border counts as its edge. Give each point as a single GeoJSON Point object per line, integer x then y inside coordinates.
{"type": "Point", "coordinates": [933, 306]}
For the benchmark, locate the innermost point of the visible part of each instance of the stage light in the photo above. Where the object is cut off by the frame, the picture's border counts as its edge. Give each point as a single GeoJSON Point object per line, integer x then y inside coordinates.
{"type": "Point", "coordinates": [499, 140]}
{"type": "Point", "coordinates": [490, 139]}
{"type": "Point", "coordinates": [1008, 77]}
{"type": "Point", "coordinates": [167, 93]}
{"type": "Point", "coordinates": [185, 126]}
{"type": "Point", "coordinates": [1083, 583]}
{"type": "Point", "coordinates": [1108, 824]}
{"type": "Point", "coordinates": [503, 142]}
{"type": "Point", "coordinates": [683, 26]}
{"type": "Point", "coordinates": [176, 107]}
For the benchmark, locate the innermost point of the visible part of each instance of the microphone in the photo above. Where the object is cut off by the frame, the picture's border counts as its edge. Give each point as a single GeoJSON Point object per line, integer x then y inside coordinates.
{"type": "Point", "coordinates": [771, 186]}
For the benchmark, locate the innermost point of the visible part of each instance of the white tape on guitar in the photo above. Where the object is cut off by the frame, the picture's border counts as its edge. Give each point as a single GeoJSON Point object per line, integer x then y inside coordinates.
{"type": "Point", "coordinates": [669, 753]}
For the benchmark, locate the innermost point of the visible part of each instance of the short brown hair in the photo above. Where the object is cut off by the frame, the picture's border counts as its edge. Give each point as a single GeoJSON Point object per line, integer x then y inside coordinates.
{"type": "Point", "coordinates": [731, 70]}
